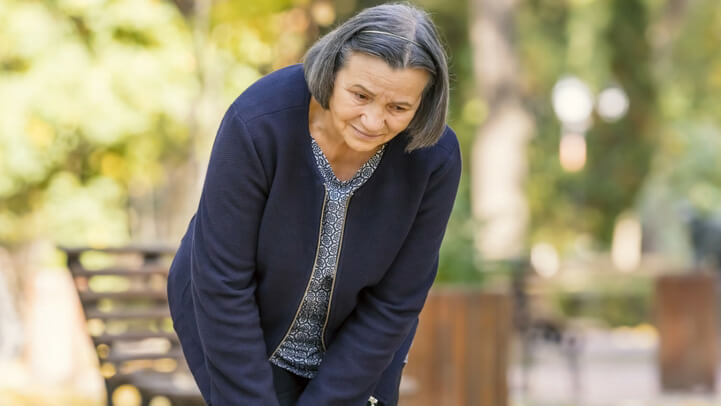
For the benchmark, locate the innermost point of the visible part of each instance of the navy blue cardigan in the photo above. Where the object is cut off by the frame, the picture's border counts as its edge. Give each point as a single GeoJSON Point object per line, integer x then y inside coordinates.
{"type": "Point", "coordinates": [243, 266]}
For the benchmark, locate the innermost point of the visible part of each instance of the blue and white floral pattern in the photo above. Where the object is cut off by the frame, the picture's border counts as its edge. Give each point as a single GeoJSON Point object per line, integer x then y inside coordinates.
{"type": "Point", "coordinates": [301, 351]}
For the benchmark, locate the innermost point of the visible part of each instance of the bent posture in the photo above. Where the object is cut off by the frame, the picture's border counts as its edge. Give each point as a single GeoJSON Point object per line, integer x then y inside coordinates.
{"type": "Point", "coordinates": [302, 274]}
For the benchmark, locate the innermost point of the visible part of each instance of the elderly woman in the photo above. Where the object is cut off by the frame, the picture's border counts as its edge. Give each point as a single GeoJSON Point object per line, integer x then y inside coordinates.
{"type": "Point", "coordinates": [302, 274]}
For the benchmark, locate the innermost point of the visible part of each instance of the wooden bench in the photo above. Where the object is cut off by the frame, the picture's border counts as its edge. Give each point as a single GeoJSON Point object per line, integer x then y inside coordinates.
{"type": "Point", "coordinates": [123, 296]}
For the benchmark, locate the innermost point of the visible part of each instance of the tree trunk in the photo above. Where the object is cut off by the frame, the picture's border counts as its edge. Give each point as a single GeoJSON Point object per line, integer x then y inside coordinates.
{"type": "Point", "coordinates": [499, 152]}
{"type": "Point", "coordinates": [162, 213]}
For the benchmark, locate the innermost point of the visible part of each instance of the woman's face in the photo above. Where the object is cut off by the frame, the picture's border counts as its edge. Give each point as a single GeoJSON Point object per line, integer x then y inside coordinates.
{"type": "Point", "coordinates": [372, 102]}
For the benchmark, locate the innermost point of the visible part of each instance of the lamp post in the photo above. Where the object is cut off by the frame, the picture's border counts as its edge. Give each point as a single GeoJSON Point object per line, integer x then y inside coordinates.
{"type": "Point", "coordinates": [573, 103]}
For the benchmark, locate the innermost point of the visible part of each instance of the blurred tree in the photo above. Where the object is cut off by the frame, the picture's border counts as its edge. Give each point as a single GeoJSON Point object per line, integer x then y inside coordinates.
{"type": "Point", "coordinates": [681, 197]}
{"type": "Point", "coordinates": [94, 103]}
{"type": "Point", "coordinates": [108, 108]}
{"type": "Point", "coordinates": [603, 43]}
{"type": "Point", "coordinates": [499, 152]}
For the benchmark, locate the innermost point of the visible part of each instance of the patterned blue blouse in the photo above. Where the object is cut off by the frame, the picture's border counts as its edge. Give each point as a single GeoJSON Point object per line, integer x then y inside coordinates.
{"type": "Point", "coordinates": [301, 351]}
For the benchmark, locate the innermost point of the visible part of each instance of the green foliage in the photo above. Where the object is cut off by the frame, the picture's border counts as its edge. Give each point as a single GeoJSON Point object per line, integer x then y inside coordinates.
{"type": "Point", "coordinates": [617, 301]}
{"type": "Point", "coordinates": [457, 263]}
{"type": "Point", "coordinates": [603, 43]}
{"type": "Point", "coordinates": [102, 100]}
{"type": "Point", "coordinates": [668, 64]}
{"type": "Point", "coordinates": [685, 182]}
{"type": "Point", "coordinates": [614, 309]}
{"type": "Point", "coordinates": [85, 87]}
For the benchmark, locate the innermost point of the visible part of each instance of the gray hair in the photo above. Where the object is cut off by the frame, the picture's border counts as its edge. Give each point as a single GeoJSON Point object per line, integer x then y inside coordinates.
{"type": "Point", "coordinates": [404, 37]}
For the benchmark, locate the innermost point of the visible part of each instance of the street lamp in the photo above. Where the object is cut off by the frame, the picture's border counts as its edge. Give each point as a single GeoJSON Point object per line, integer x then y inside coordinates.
{"type": "Point", "coordinates": [573, 104]}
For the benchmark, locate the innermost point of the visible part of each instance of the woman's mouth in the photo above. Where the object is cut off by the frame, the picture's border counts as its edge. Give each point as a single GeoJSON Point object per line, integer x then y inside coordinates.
{"type": "Point", "coordinates": [365, 134]}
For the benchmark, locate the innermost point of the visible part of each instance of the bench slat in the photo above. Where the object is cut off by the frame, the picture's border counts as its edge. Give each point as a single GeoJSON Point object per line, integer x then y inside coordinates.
{"type": "Point", "coordinates": [141, 249]}
{"type": "Point", "coordinates": [174, 353]}
{"type": "Point", "coordinates": [92, 297]}
{"type": "Point", "coordinates": [118, 271]}
{"type": "Point", "coordinates": [150, 313]}
{"type": "Point", "coordinates": [134, 336]}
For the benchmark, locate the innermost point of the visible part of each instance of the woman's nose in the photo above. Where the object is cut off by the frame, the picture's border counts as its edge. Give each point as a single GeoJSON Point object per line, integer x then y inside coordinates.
{"type": "Point", "coordinates": [373, 119]}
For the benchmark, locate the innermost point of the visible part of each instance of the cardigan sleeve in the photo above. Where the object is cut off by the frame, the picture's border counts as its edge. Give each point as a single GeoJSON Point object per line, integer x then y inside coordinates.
{"type": "Point", "coordinates": [386, 312]}
{"type": "Point", "coordinates": [222, 270]}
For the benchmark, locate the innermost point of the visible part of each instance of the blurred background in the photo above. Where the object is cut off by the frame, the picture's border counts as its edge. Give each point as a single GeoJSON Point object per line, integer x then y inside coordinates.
{"type": "Point", "coordinates": [580, 263]}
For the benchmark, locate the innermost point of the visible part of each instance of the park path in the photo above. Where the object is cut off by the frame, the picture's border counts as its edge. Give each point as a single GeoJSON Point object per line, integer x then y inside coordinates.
{"type": "Point", "coordinates": [616, 368]}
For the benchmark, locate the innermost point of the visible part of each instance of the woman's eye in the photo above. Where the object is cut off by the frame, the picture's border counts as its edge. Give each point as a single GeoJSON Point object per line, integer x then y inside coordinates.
{"type": "Point", "coordinates": [360, 96]}
{"type": "Point", "coordinates": [399, 108]}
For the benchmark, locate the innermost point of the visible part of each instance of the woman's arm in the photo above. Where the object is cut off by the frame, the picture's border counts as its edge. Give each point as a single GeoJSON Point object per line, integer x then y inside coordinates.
{"type": "Point", "coordinates": [366, 343]}
{"type": "Point", "coordinates": [223, 267]}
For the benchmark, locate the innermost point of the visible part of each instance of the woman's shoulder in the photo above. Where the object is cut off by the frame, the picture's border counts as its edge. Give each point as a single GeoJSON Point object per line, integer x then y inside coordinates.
{"type": "Point", "coordinates": [279, 91]}
{"type": "Point", "coordinates": [444, 152]}
{"type": "Point", "coordinates": [439, 160]}
{"type": "Point", "coordinates": [449, 142]}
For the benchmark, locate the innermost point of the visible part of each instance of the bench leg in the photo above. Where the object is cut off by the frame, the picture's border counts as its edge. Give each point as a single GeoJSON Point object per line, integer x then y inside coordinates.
{"type": "Point", "coordinates": [144, 398]}
{"type": "Point", "coordinates": [109, 389]}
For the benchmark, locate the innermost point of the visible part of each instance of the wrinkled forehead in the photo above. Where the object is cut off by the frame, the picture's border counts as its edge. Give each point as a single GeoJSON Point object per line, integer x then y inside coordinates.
{"type": "Point", "coordinates": [376, 76]}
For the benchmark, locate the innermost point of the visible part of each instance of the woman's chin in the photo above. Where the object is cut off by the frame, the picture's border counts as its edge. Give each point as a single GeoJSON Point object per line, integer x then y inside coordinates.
{"type": "Point", "coordinates": [365, 147]}
{"type": "Point", "coordinates": [362, 143]}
